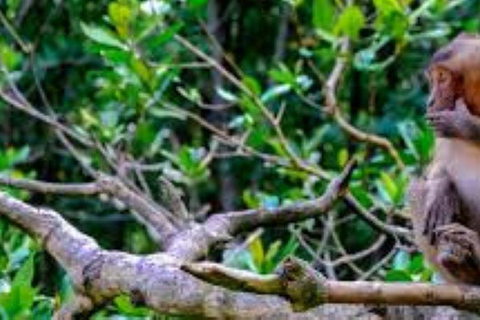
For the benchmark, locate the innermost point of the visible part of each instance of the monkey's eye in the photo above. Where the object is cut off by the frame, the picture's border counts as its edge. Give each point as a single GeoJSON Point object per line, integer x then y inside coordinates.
{"type": "Point", "coordinates": [442, 76]}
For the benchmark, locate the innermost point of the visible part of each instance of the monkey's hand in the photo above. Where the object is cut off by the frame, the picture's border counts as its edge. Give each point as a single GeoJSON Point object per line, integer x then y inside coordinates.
{"type": "Point", "coordinates": [459, 251]}
{"type": "Point", "coordinates": [456, 123]}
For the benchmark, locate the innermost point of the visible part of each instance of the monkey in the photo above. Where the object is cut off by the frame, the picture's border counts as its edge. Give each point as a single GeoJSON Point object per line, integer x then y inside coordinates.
{"type": "Point", "coordinates": [445, 205]}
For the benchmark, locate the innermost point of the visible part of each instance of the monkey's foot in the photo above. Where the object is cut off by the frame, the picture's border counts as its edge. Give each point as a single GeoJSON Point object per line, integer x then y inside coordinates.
{"type": "Point", "coordinates": [459, 253]}
{"type": "Point", "coordinates": [457, 244]}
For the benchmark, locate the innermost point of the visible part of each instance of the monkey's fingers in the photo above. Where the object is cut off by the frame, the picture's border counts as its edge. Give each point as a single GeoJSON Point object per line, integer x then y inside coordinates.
{"type": "Point", "coordinates": [430, 225]}
{"type": "Point", "coordinates": [441, 123]}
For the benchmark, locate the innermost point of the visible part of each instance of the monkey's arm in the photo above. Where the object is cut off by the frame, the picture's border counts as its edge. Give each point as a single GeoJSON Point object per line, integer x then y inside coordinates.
{"type": "Point", "coordinates": [442, 203]}
{"type": "Point", "coordinates": [456, 123]}
{"type": "Point", "coordinates": [456, 253]}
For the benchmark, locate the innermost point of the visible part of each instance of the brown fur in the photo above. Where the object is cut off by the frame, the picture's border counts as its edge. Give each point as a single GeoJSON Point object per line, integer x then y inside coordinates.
{"type": "Point", "coordinates": [446, 204]}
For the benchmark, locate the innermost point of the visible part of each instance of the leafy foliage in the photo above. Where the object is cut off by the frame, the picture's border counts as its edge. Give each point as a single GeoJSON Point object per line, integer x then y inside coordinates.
{"type": "Point", "coordinates": [148, 80]}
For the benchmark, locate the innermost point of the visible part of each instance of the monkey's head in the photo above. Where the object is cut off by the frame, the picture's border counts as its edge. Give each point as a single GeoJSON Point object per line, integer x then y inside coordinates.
{"type": "Point", "coordinates": [454, 72]}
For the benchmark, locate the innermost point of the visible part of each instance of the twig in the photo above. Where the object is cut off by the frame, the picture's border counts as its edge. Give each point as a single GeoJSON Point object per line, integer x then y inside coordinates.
{"type": "Point", "coordinates": [160, 222]}
{"type": "Point", "coordinates": [333, 108]}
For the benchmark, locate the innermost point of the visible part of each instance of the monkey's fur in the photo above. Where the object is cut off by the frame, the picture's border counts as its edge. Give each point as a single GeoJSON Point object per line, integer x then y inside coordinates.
{"type": "Point", "coordinates": [445, 205]}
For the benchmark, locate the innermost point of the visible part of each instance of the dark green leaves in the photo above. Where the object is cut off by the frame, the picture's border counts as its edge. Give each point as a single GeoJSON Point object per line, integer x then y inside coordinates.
{"type": "Point", "coordinates": [408, 267]}
{"type": "Point", "coordinates": [18, 301]}
{"type": "Point", "coordinates": [323, 14]}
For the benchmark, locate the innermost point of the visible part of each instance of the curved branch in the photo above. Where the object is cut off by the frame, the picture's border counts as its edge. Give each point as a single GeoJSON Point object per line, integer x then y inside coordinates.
{"type": "Point", "coordinates": [155, 281]}
{"type": "Point", "coordinates": [195, 242]}
{"type": "Point", "coordinates": [161, 224]}
{"type": "Point", "coordinates": [296, 280]}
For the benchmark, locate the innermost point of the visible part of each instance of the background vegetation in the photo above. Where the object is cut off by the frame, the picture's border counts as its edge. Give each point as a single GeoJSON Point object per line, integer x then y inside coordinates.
{"type": "Point", "coordinates": [229, 101]}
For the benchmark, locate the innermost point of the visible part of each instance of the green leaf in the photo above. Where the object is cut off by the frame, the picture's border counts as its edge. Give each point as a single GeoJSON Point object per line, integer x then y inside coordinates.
{"type": "Point", "coordinates": [141, 70]}
{"type": "Point", "coordinates": [416, 264]}
{"type": "Point", "coordinates": [256, 249]}
{"type": "Point", "coordinates": [163, 113]}
{"type": "Point", "coordinates": [391, 18]}
{"type": "Point", "coordinates": [401, 260]}
{"type": "Point", "coordinates": [18, 301]}
{"type": "Point", "coordinates": [9, 57]}
{"type": "Point", "coordinates": [197, 3]}
{"type": "Point", "coordinates": [274, 92]}
{"type": "Point", "coordinates": [273, 249]}
{"type": "Point", "coordinates": [350, 22]}
{"type": "Point", "coordinates": [252, 84]}
{"type": "Point", "coordinates": [120, 14]}
{"type": "Point", "coordinates": [398, 276]}
{"type": "Point", "coordinates": [165, 36]}
{"type": "Point", "coordinates": [323, 14]}
{"type": "Point", "coordinates": [283, 75]}
{"type": "Point", "coordinates": [226, 95]}
{"type": "Point", "coordinates": [390, 185]}
{"type": "Point", "coordinates": [125, 306]}
{"type": "Point", "coordinates": [102, 36]}
{"type": "Point", "coordinates": [342, 157]}
{"type": "Point", "coordinates": [24, 275]}
{"type": "Point", "coordinates": [387, 6]}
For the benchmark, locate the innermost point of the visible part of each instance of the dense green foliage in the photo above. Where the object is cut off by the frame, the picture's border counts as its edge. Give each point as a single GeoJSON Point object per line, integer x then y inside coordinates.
{"type": "Point", "coordinates": [143, 79]}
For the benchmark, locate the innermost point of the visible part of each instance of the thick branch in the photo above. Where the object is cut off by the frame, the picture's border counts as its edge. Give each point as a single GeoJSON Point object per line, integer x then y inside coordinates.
{"type": "Point", "coordinates": [305, 288]}
{"type": "Point", "coordinates": [159, 281]}
{"type": "Point", "coordinates": [155, 281]}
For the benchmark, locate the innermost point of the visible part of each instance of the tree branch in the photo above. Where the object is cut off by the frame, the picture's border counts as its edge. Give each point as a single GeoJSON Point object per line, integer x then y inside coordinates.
{"type": "Point", "coordinates": [195, 242]}
{"type": "Point", "coordinates": [161, 224]}
{"type": "Point", "coordinates": [333, 108]}
{"type": "Point", "coordinates": [305, 288]}
{"type": "Point", "coordinates": [155, 281]}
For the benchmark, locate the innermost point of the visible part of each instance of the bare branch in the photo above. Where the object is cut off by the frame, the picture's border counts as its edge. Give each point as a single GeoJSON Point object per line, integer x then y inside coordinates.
{"type": "Point", "coordinates": [160, 282]}
{"type": "Point", "coordinates": [172, 200]}
{"type": "Point", "coordinates": [195, 242]}
{"type": "Point", "coordinates": [155, 281]}
{"type": "Point", "coordinates": [305, 288]}
{"type": "Point", "coordinates": [48, 187]}
{"type": "Point", "coordinates": [159, 221]}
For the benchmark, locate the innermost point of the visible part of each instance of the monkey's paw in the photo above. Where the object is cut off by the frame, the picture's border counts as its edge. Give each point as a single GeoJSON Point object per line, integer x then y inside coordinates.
{"type": "Point", "coordinates": [456, 244]}
{"type": "Point", "coordinates": [455, 123]}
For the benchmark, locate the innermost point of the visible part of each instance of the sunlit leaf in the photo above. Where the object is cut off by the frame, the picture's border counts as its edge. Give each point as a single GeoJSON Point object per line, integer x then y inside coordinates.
{"type": "Point", "coordinates": [401, 260]}
{"type": "Point", "coordinates": [102, 36]}
{"type": "Point", "coordinates": [350, 22]}
{"type": "Point", "coordinates": [226, 95]}
{"type": "Point", "coordinates": [274, 92]}
{"type": "Point", "coordinates": [256, 248]}
{"type": "Point", "coordinates": [120, 14]}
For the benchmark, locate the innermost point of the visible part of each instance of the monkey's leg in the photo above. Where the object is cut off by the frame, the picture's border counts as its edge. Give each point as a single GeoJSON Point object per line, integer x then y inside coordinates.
{"type": "Point", "coordinates": [418, 191]}
{"type": "Point", "coordinates": [442, 206]}
{"type": "Point", "coordinates": [459, 252]}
